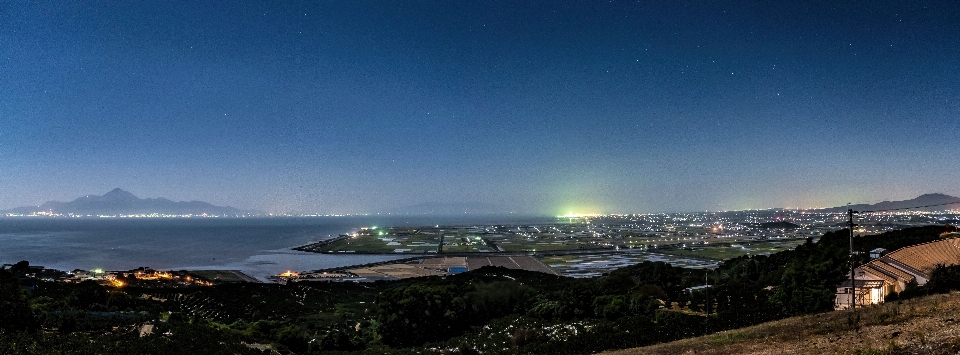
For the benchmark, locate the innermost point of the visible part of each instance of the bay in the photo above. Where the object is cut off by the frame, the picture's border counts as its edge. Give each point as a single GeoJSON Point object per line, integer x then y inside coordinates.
{"type": "Point", "coordinates": [259, 247]}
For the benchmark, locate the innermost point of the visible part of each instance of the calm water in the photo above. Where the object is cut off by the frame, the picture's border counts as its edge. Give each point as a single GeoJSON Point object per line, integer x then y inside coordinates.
{"type": "Point", "coordinates": [258, 246]}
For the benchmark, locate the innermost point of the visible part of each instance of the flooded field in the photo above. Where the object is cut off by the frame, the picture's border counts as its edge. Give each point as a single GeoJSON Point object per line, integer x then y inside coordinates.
{"type": "Point", "coordinates": [591, 265]}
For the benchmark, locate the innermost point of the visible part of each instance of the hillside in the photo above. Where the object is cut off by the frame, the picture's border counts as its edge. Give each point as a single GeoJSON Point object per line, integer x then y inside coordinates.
{"type": "Point", "coordinates": [924, 325]}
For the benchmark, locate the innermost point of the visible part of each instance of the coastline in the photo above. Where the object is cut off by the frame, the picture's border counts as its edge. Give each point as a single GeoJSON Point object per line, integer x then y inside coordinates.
{"type": "Point", "coordinates": [259, 247]}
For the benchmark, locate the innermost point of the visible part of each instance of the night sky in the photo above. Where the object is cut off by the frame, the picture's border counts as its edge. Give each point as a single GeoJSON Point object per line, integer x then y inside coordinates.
{"type": "Point", "coordinates": [529, 107]}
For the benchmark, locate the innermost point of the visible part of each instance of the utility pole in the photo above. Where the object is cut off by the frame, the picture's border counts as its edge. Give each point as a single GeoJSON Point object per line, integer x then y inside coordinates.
{"type": "Point", "coordinates": [706, 302]}
{"type": "Point", "coordinates": [706, 283]}
{"type": "Point", "coordinates": [853, 283]}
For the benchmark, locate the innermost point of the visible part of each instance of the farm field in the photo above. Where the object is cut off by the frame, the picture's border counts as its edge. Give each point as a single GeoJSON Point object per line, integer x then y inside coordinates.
{"type": "Point", "coordinates": [730, 250]}
{"type": "Point", "coordinates": [591, 265]}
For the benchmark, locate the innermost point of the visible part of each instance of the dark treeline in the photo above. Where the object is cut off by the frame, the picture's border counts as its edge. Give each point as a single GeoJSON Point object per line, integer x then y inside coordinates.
{"type": "Point", "coordinates": [491, 310]}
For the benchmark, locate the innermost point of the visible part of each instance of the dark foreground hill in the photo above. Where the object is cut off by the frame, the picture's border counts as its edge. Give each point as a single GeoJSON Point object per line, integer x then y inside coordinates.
{"type": "Point", "coordinates": [120, 202]}
{"type": "Point", "coordinates": [925, 325]}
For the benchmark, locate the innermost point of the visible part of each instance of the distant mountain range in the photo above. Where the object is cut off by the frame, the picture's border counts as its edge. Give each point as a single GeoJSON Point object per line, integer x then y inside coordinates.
{"type": "Point", "coordinates": [120, 202]}
{"type": "Point", "coordinates": [936, 202]}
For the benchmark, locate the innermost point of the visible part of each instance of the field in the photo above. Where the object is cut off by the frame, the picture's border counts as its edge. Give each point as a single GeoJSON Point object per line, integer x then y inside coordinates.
{"type": "Point", "coordinates": [730, 250]}
{"type": "Point", "coordinates": [415, 243]}
{"type": "Point", "coordinates": [696, 241]}
{"type": "Point", "coordinates": [576, 250]}
{"type": "Point", "coordinates": [473, 240]}
{"type": "Point", "coordinates": [221, 276]}
{"type": "Point", "coordinates": [428, 266]}
{"type": "Point", "coordinates": [595, 264]}
{"type": "Point", "coordinates": [535, 245]}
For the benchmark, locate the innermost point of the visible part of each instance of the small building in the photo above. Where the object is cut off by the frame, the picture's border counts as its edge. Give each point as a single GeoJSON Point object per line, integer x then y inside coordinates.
{"type": "Point", "coordinates": [878, 252]}
{"type": "Point", "coordinates": [867, 292]}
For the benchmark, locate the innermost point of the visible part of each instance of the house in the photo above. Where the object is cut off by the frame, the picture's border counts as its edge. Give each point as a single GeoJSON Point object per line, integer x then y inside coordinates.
{"type": "Point", "coordinates": [896, 271]}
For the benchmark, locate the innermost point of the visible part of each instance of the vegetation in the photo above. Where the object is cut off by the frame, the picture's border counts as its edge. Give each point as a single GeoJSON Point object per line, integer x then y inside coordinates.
{"type": "Point", "coordinates": [924, 325]}
{"type": "Point", "coordinates": [491, 310]}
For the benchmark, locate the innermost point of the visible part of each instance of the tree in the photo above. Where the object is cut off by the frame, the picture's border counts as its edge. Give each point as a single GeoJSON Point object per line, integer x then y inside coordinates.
{"type": "Point", "coordinates": [15, 313]}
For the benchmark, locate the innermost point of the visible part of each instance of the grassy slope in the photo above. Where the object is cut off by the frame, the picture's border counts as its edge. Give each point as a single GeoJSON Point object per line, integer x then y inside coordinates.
{"type": "Point", "coordinates": [926, 325]}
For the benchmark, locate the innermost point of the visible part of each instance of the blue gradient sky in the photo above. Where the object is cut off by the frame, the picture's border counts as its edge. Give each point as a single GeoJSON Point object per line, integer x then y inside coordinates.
{"type": "Point", "coordinates": [535, 107]}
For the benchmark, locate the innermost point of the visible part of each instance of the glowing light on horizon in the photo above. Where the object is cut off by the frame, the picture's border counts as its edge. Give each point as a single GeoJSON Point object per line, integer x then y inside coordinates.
{"type": "Point", "coordinates": [578, 215]}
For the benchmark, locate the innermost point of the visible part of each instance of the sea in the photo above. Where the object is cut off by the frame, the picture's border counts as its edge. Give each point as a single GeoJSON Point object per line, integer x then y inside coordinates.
{"type": "Point", "coordinates": [259, 247]}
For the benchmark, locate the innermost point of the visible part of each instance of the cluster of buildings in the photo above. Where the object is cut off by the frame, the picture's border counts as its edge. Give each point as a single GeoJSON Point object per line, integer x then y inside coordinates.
{"type": "Point", "coordinates": [147, 277]}
{"type": "Point", "coordinates": [141, 277]}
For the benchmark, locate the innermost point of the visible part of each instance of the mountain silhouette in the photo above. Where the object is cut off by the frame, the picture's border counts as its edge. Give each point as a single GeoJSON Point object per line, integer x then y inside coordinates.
{"type": "Point", "coordinates": [925, 202]}
{"type": "Point", "coordinates": [120, 202]}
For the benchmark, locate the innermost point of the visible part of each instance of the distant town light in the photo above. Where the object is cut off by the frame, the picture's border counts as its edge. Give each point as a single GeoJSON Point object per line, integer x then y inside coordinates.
{"type": "Point", "coordinates": [578, 215]}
